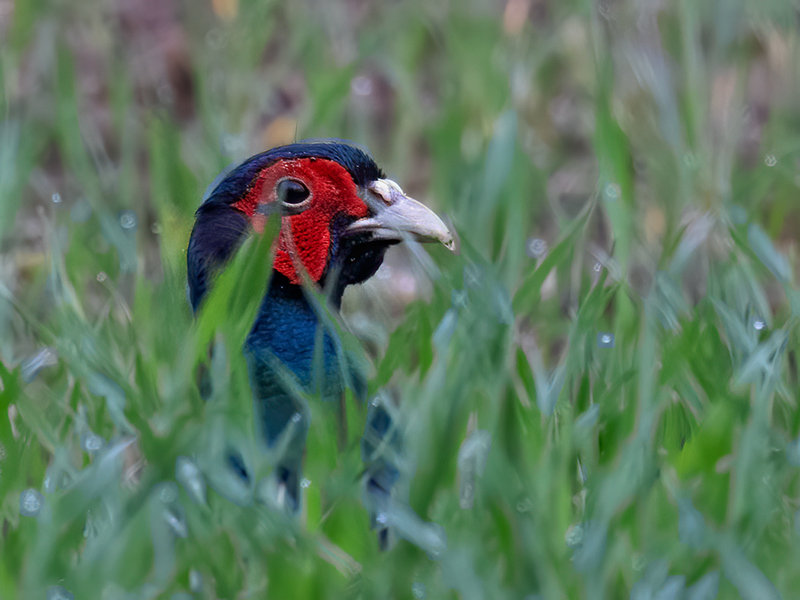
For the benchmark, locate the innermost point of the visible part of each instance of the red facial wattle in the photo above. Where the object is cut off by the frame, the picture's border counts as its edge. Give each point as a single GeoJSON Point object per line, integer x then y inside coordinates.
{"type": "Point", "coordinates": [305, 238]}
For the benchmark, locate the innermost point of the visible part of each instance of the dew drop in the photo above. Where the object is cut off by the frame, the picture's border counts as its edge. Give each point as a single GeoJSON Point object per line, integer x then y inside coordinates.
{"type": "Point", "coordinates": [381, 518]}
{"type": "Point", "coordinates": [612, 191]}
{"type": "Point", "coordinates": [418, 589]}
{"type": "Point", "coordinates": [770, 160]}
{"type": "Point", "coordinates": [536, 247]}
{"type": "Point", "coordinates": [304, 483]}
{"type": "Point", "coordinates": [92, 443]}
{"type": "Point", "coordinates": [30, 503]}
{"type": "Point", "coordinates": [758, 325]}
{"type": "Point", "coordinates": [296, 417]}
{"type": "Point", "coordinates": [56, 198]}
{"type": "Point", "coordinates": [574, 535]}
{"type": "Point", "coordinates": [156, 228]}
{"type": "Point", "coordinates": [55, 479]}
{"type": "Point", "coordinates": [127, 219]}
{"type": "Point", "coordinates": [58, 592]}
{"type": "Point", "coordinates": [597, 267]}
{"type": "Point", "coordinates": [168, 492]}
{"type": "Point", "coordinates": [605, 340]}
{"type": "Point", "coordinates": [195, 581]}
{"type": "Point", "coordinates": [101, 276]}
{"type": "Point", "coordinates": [190, 477]}
{"type": "Point", "coordinates": [176, 522]}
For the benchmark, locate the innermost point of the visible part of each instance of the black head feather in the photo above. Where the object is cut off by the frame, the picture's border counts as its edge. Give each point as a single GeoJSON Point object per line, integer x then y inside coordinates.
{"type": "Point", "coordinates": [219, 228]}
{"type": "Point", "coordinates": [233, 184]}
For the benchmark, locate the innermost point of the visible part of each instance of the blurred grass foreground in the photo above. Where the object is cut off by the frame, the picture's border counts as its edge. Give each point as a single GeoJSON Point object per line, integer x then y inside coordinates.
{"type": "Point", "coordinates": [599, 393]}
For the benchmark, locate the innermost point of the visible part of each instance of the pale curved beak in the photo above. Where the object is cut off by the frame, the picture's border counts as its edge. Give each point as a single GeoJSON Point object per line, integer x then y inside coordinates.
{"type": "Point", "coordinates": [397, 217]}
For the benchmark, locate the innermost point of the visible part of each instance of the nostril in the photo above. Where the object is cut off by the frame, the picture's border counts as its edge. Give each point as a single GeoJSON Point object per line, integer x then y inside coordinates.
{"type": "Point", "coordinates": [382, 191]}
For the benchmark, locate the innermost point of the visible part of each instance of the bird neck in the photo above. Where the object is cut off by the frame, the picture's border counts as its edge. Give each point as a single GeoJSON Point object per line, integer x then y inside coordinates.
{"type": "Point", "coordinates": [288, 328]}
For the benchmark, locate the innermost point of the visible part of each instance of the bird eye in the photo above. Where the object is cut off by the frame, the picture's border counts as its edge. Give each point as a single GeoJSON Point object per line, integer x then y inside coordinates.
{"type": "Point", "coordinates": [292, 191]}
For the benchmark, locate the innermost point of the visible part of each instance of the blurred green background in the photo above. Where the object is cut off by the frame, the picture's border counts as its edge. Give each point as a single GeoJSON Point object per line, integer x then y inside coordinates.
{"type": "Point", "coordinates": [599, 392]}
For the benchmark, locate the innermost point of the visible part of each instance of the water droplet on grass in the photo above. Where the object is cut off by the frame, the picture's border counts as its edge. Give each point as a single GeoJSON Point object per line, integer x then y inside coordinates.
{"type": "Point", "coordinates": [770, 160]}
{"type": "Point", "coordinates": [195, 581]}
{"type": "Point", "coordinates": [597, 267]}
{"type": "Point", "coordinates": [574, 535]}
{"type": "Point", "coordinates": [92, 443]}
{"type": "Point", "coordinates": [605, 340]}
{"type": "Point", "coordinates": [101, 277]}
{"type": "Point", "coordinates": [127, 219]}
{"type": "Point", "coordinates": [30, 503]}
{"type": "Point", "coordinates": [536, 247]}
{"type": "Point", "coordinates": [176, 522]}
{"type": "Point", "coordinates": [57, 592]}
{"type": "Point", "coordinates": [189, 476]}
{"type": "Point", "coordinates": [304, 483]}
{"type": "Point", "coordinates": [56, 198]}
{"type": "Point", "coordinates": [418, 589]}
{"type": "Point", "coordinates": [296, 417]}
{"type": "Point", "coordinates": [168, 492]}
{"type": "Point", "coordinates": [612, 191]}
{"type": "Point", "coordinates": [758, 324]}
{"type": "Point", "coordinates": [55, 479]}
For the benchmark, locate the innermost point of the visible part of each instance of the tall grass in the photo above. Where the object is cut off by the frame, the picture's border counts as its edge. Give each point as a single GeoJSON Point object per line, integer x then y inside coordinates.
{"type": "Point", "coordinates": [598, 394]}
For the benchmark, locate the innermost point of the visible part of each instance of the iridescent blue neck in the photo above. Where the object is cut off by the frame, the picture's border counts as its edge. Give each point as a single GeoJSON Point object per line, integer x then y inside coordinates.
{"type": "Point", "coordinates": [287, 331]}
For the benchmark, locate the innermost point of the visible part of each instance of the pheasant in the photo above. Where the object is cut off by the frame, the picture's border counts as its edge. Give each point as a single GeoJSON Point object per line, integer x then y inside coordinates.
{"type": "Point", "coordinates": [338, 216]}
